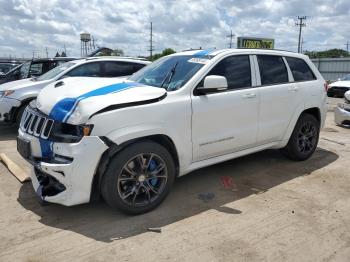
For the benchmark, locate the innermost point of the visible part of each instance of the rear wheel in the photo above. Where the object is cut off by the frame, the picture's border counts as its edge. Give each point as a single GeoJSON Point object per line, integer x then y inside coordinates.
{"type": "Point", "coordinates": [138, 178]}
{"type": "Point", "coordinates": [303, 141]}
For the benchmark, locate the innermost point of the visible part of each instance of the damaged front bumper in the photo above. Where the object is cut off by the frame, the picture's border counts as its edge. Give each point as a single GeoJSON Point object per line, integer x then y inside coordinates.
{"type": "Point", "coordinates": [342, 114]}
{"type": "Point", "coordinates": [67, 177]}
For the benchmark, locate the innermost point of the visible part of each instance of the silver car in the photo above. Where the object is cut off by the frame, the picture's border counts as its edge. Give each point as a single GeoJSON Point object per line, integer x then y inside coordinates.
{"type": "Point", "coordinates": [16, 95]}
{"type": "Point", "coordinates": [342, 111]}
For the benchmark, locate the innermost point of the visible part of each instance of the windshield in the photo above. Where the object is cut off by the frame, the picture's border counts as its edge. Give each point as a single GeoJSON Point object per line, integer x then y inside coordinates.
{"type": "Point", "coordinates": [170, 72]}
{"type": "Point", "coordinates": [24, 70]}
{"type": "Point", "coordinates": [55, 71]}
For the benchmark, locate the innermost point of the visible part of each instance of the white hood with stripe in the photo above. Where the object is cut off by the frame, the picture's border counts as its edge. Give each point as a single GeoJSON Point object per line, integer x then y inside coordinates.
{"type": "Point", "coordinates": [74, 100]}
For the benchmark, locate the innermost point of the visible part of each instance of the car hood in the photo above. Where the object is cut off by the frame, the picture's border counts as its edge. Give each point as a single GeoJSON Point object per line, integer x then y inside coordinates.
{"type": "Point", "coordinates": [75, 100]}
{"type": "Point", "coordinates": [28, 82]}
{"type": "Point", "coordinates": [340, 83]}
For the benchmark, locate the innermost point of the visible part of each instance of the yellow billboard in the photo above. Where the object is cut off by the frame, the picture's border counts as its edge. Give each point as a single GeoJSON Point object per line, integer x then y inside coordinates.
{"type": "Point", "coordinates": [253, 42]}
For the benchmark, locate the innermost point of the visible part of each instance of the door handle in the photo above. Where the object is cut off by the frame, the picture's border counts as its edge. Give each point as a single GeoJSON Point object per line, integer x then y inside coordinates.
{"type": "Point", "coordinates": [249, 95]}
{"type": "Point", "coordinates": [293, 89]}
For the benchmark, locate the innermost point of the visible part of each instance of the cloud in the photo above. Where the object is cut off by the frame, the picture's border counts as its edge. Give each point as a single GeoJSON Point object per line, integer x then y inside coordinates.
{"type": "Point", "coordinates": [28, 26]}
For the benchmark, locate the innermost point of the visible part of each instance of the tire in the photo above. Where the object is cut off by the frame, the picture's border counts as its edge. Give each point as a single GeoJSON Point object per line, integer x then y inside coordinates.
{"type": "Point", "coordinates": [330, 94]}
{"type": "Point", "coordinates": [127, 188]}
{"type": "Point", "coordinates": [19, 114]}
{"type": "Point", "coordinates": [303, 141]}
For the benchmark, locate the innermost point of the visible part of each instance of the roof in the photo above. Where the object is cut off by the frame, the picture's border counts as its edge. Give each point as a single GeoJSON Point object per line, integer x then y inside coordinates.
{"type": "Point", "coordinates": [118, 58]}
{"type": "Point", "coordinates": [54, 59]}
{"type": "Point", "coordinates": [213, 52]}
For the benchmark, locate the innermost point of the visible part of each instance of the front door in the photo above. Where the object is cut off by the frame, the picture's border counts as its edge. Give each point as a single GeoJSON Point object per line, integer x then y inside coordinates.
{"type": "Point", "coordinates": [226, 122]}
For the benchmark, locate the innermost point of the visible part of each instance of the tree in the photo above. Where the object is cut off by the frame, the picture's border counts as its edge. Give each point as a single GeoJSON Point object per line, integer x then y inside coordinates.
{"type": "Point", "coordinates": [331, 53]}
{"type": "Point", "coordinates": [63, 54]}
{"type": "Point", "coordinates": [57, 54]}
{"type": "Point", "coordinates": [118, 52]}
{"type": "Point", "coordinates": [166, 51]}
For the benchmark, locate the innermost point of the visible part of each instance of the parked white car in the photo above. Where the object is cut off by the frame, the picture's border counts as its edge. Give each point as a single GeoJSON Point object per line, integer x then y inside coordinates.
{"type": "Point", "coordinates": [338, 88]}
{"type": "Point", "coordinates": [342, 111]}
{"type": "Point", "coordinates": [16, 95]}
{"type": "Point", "coordinates": [129, 139]}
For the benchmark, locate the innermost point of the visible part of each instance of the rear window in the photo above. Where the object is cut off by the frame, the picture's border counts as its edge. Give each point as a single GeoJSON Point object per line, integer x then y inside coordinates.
{"type": "Point", "coordinates": [300, 70]}
{"type": "Point", "coordinates": [272, 70]}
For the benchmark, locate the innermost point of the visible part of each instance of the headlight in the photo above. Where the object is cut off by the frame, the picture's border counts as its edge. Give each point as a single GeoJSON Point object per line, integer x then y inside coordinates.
{"type": "Point", "coordinates": [6, 93]}
{"type": "Point", "coordinates": [67, 133]}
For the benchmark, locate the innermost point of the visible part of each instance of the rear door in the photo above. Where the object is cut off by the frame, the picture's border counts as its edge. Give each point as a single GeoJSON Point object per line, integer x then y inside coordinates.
{"type": "Point", "coordinates": [225, 122]}
{"type": "Point", "coordinates": [279, 97]}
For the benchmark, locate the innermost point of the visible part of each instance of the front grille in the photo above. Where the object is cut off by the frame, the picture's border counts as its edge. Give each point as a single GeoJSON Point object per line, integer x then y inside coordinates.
{"type": "Point", "coordinates": [35, 123]}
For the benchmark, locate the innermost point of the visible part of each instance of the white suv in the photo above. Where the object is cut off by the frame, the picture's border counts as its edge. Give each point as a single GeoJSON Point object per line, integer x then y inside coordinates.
{"type": "Point", "coordinates": [129, 139]}
{"type": "Point", "coordinates": [16, 95]}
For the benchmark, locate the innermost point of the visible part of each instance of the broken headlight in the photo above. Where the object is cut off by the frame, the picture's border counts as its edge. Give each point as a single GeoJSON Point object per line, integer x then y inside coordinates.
{"type": "Point", "coordinates": [68, 133]}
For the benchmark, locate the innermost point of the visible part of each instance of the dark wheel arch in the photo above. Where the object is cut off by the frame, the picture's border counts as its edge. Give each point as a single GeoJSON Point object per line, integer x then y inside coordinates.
{"type": "Point", "coordinates": [15, 117]}
{"type": "Point", "coordinates": [129, 187]}
{"type": "Point", "coordinates": [113, 149]}
{"type": "Point", "coordinates": [304, 138]}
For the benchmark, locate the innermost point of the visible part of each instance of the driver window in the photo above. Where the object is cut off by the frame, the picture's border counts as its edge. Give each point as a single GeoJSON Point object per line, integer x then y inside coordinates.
{"type": "Point", "coordinates": [88, 70]}
{"type": "Point", "coordinates": [236, 69]}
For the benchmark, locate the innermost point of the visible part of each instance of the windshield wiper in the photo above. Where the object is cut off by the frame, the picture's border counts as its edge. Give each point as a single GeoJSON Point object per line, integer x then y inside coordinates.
{"type": "Point", "coordinates": [169, 75]}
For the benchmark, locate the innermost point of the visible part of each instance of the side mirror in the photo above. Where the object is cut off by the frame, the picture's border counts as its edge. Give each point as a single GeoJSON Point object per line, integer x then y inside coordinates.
{"type": "Point", "coordinates": [213, 84]}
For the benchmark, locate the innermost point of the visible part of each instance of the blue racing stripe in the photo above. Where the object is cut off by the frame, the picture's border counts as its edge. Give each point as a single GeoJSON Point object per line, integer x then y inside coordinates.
{"type": "Point", "coordinates": [203, 52]}
{"type": "Point", "coordinates": [46, 148]}
{"type": "Point", "coordinates": [64, 108]}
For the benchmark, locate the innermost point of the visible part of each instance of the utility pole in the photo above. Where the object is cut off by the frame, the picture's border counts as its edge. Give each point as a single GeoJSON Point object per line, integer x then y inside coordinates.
{"type": "Point", "coordinates": [347, 46]}
{"type": "Point", "coordinates": [231, 35]}
{"type": "Point", "coordinates": [300, 24]}
{"type": "Point", "coordinates": [151, 47]}
{"type": "Point", "coordinates": [47, 53]}
{"type": "Point", "coordinates": [302, 45]}
{"type": "Point", "coordinates": [65, 50]}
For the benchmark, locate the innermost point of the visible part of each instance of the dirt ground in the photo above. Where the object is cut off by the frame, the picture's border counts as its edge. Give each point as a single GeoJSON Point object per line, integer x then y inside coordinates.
{"type": "Point", "coordinates": [261, 207]}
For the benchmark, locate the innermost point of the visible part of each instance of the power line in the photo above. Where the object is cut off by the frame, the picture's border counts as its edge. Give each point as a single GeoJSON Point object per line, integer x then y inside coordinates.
{"type": "Point", "coordinates": [300, 24]}
{"type": "Point", "coordinates": [151, 46]}
{"type": "Point", "coordinates": [231, 35]}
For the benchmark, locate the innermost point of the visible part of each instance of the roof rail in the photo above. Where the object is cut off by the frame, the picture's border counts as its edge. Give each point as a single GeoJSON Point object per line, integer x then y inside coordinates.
{"type": "Point", "coordinates": [117, 57]}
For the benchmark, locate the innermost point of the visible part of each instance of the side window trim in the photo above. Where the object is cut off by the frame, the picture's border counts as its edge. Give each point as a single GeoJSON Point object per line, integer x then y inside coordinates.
{"type": "Point", "coordinates": [257, 71]}
{"type": "Point", "coordinates": [290, 75]}
{"type": "Point", "coordinates": [253, 75]}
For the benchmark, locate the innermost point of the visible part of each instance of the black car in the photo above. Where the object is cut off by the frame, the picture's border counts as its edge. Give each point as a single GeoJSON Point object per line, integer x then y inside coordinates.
{"type": "Point", "coordinates": [340, 87]}
{"type": "Point", "coordinates": [33, 68]}
{"type": "Point", "coordinates": [6, 67]}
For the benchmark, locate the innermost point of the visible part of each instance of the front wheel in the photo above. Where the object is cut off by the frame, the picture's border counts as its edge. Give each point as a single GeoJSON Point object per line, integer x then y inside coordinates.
{"type": "Point", "coordinates": [19, 114]}
{"type": "Point", "coordinates": [303, 141]}
{"type": "Point", "coordinates": [138, 178]}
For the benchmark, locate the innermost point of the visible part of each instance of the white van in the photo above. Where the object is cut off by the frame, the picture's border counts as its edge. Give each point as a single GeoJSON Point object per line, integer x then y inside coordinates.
{"type": "Point", "coordinates": [129, 139]}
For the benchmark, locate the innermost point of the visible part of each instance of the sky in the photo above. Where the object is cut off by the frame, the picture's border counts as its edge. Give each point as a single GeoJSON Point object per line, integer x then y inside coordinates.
{"type": "Point", "coordinates": [29, 27]}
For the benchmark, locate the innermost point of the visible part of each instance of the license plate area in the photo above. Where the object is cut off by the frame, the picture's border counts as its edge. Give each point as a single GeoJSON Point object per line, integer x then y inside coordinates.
{"type": "Point", "coordinates": [23, 147]}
